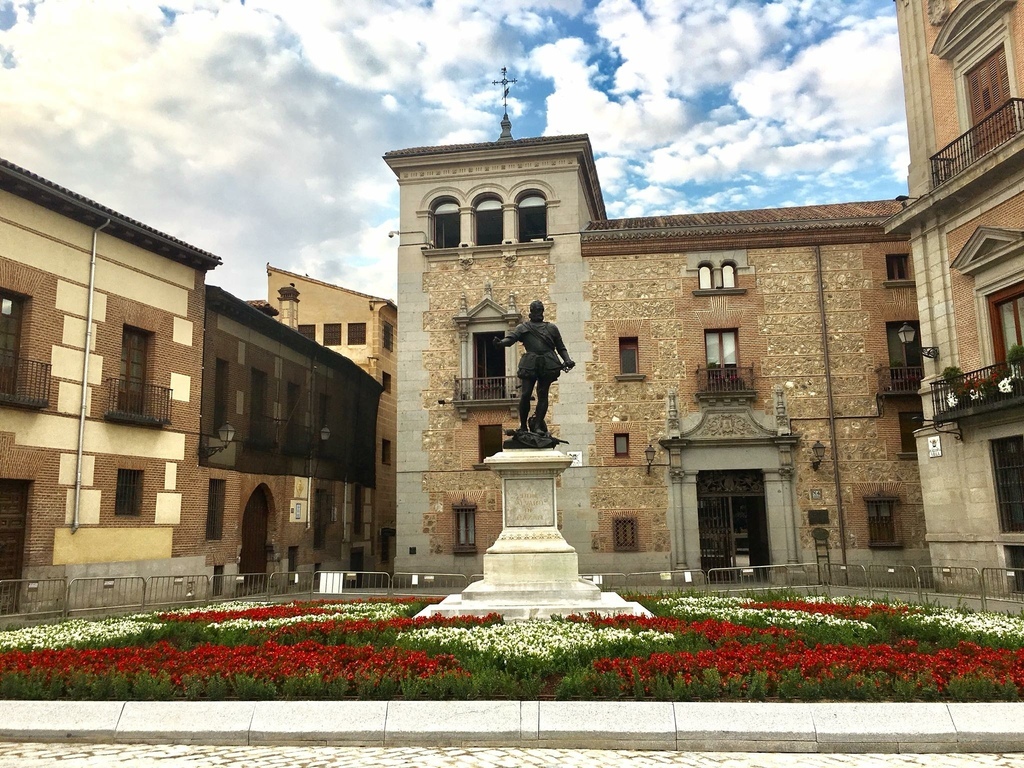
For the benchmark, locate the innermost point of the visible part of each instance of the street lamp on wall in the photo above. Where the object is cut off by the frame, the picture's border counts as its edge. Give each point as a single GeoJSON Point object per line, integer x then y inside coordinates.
{"type": "Point", "coordinates": [907, 333]}
{"type": "Point", "coordinates": [818, 452]}
{"type": "Point", "coordinates": [649, 454]}
{"type": "Point", "coordinates": [226, 434]}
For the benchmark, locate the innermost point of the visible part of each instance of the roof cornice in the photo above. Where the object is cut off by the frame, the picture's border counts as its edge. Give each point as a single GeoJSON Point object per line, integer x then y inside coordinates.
{"type": "Point", "coordinates": [43, 192]}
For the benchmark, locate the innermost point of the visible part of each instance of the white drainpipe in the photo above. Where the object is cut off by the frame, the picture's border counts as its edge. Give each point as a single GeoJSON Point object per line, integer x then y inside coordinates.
{"type": "Point", "coordinates": [85, 379]}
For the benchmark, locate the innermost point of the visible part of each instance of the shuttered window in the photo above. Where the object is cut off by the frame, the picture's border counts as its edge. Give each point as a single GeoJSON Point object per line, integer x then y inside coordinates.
{"type": "Point", "coordinates": [988, 86]}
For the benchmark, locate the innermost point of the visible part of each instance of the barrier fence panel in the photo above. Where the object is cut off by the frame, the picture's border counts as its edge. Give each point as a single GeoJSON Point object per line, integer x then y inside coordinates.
{"type": "Point", "coordinates": [247, 586]}
{"type": "Point", "coordinates": [177, 590]}
{"type": "Point", "coordinates": [843, 576]}
{"type": "Point", "coordinates": [890, 579]}
{"type": "Point", "coordinates": [356, 583]}
{"type": "Point", "coordinates": [607, 582]}
{"type": "Point", "coordinates": [32, 597]}
{"type": "Point", "coordinates": [801, 574]}
{"type": "Point", "coordinates": [958, 582]}
{"type": "Point", "coordinates": [298, 584]}
{"type": "Point", "coordinates": [755, 577]}
{"type": "Point", "coordinates": [1003, 584]}
{"type": "Point", "coordinates": [99, 594]}
{"type": "Point", "coordinates": [428, 583]}
{"type": "Point", "coordinates": [666, 581]}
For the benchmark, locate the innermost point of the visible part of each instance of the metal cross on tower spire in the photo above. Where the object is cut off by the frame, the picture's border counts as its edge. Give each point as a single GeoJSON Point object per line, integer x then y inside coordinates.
{"type": "Point", "coordinates": [506, 124]}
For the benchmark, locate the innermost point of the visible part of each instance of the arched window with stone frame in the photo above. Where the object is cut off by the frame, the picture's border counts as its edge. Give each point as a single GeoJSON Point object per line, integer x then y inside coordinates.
{"type": "Point", "coordinates": [532, 216]}
{"type": "Point", "coordinates": [445, 224]}
{"type": "Point", "coordinates": [487, 217]}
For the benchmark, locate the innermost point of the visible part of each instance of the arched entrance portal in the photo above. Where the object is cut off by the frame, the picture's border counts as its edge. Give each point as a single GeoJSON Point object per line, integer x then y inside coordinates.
{"type": "Point", "coordinates": [253, 558]}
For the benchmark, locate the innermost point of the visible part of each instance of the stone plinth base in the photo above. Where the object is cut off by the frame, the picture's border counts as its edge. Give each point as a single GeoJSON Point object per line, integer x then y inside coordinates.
{"type": "Point", "coordinates": [531, 571]}
{"type": "Point", "coordinates": [524, 605]}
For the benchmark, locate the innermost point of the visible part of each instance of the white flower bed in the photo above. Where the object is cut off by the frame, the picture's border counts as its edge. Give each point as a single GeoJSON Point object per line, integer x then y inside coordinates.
{"type": "Point", "coordinates": [369, 611]}
{"type": "Point", "coordinates": [992, 626]}
{"type": "Point", "coordinates": [540, 640]}
{"type": "Point", "coordinates": [732, 609]}
{"type": "Point", "coordinates": [74, 632]}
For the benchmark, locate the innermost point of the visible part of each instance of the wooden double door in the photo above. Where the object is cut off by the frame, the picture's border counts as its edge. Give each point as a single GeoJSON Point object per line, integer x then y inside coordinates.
{"type": "Point", "coordinates": [13, 522]}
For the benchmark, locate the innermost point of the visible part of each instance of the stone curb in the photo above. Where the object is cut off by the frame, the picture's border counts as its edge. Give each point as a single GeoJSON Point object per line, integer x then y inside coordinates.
{"type": "Point", "coordinates": [684, 726]}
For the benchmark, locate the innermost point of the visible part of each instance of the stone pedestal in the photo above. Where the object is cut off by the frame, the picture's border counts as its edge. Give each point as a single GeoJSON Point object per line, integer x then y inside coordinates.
{"type": "Point", "coordinates": [531, 571]}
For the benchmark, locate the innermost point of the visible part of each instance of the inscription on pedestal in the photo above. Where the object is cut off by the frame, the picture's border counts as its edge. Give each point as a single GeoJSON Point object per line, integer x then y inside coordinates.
{"type": "Point", "coordinates": [528, 502]}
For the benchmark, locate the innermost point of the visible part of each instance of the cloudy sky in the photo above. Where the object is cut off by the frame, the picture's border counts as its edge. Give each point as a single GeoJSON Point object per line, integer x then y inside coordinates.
{"type": "Point", "coordinates": [255, 128]}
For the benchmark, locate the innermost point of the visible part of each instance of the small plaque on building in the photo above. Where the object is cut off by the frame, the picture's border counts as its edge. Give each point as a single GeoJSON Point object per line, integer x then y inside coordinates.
{"type": "Point", "coordinates": [817, 517]}
{"type": "Point", "coordinates": [815, 494]}
{"type": "Point", "coordinates": [577, 458]}
{"type": "Point", "coordinates": [934, 446]}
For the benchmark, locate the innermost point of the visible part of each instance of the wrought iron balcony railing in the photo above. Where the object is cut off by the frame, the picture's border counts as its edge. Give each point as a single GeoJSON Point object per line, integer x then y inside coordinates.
{"type": "Point", "coordinates": [487, 388]}
{"type": "Point", "coordinates": [725, 380]}
{"type": "Point", "coordinates": [24, 383]}
{"type": "Point", "coordinates": [995, 130]}
{"type": "Point", "coordinates": [134, 402]}
{"type": "Point", "coordinates": [992, 388]}
{"type": "Point", "coordinates": [900, 380]}
{"type": "Point", "coordinates": [262, 433]}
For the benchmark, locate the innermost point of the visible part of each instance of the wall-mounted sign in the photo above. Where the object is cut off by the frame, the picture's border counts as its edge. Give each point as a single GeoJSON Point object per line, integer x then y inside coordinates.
{"type": "Point", "coordinates": [577, 458]}
{"type": "Point", "coordinates": [815, 494]}
{"type": "Point", "coordinates": [934, 446]}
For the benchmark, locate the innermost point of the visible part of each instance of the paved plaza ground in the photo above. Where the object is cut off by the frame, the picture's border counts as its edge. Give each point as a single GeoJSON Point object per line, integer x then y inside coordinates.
{"type": "Point", "coordinates": [165, 756]}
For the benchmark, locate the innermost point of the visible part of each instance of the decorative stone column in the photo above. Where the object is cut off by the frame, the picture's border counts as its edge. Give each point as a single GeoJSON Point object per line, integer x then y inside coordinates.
{"type": "Point", "coordinates": [531, 571]}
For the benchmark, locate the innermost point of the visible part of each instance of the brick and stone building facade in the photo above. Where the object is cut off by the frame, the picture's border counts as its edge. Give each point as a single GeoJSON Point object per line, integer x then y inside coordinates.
{"type": "Point", "coordinates": [132, 478]}
{"type": "Point", "coordinates": [363, 328]}
{"type": "Point", "coordinates": [713, 352]}
{"type": "Point", "coordinates": [963, 218]}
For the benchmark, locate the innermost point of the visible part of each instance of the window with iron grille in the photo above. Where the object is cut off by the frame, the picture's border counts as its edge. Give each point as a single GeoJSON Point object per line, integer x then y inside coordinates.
{"type": "Point", "coordinates": [1015, 560]}
{"type": "Point", "coordinates": [909, 421]}
{"type": "Point", "coordinates": [465, 526]}
{"type": "Point", "coordinates": [309, 331]}
{"type": "Point", "coordinates": [11, 312]}
{"type": "Point", "coordinates": [624, 534]}
{"type": "Point", "coordinates": [1008, 467]}
{"type": "Point", "coordinates": [628, 355]}
{"type": "Point", "coordinates": [389, 335]}
{"type": "Point", "coordinates": [215, 510]}
{"type": "Point", "coordinates": [881, 520]}
{"type": "Point", "coordinates": [356, 333]}
{"type": "Point", "coordinates": [332, 334]}
{"type": "Point", "coordinates": [128, 496]}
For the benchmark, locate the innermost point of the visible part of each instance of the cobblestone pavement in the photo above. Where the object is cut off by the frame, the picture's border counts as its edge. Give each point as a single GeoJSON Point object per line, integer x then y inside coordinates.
{"type": "Point", "coordinates": [166, 756]}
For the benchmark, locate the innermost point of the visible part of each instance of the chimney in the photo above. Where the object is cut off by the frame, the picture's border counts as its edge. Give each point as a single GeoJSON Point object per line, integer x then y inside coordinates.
{"type": "Point", "coordinates": [288, 299]}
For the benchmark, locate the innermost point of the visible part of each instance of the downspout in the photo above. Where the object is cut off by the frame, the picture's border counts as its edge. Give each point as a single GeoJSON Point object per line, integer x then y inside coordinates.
{"type": "Point", "coordinates": [831, 405]}
{"type": "Point", "coordinates": [85, 379]}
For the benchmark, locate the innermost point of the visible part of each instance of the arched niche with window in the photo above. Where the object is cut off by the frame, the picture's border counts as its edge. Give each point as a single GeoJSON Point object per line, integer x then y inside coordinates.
{"type": "Point", "coordinates": [487, 215]}
{"type": "Point", "coordinates": [728, 275]}
{"type": "Point", "coordinates": [532, 214]}
{"type": "Point", "coordinates": [446, 223]}
{"type": "Point", "coordinates": [704, 277]}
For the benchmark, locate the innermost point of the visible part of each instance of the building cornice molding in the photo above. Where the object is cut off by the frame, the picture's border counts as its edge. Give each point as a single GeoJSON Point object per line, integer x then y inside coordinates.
{"type": "Point", "coordinates": [969, 20]}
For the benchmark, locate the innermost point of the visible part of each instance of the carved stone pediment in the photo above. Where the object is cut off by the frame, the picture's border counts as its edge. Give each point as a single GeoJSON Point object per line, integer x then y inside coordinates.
{"type": "Point", "coordinates": [733, 424]}
{"type": "Point", "coordinates": [987, 247]}
{"type": "Point", "coordinates": [487, 310]}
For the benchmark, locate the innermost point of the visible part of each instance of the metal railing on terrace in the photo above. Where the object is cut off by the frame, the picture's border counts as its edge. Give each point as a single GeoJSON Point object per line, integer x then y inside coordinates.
{"type": "Point", "coordinates": [899, 380]}
{"type": "Point", "coordinates": [137, 403]}
{"type": "Point", "coordinates": [47, 599]}
{"type": "Point", "coordinates": [487, 388]}
{"type": "Point", "coordinates": [992, 132]}
{"type": "Point", "coordinates": [722, 380]}
{"type": "Point", "coordinates": [991, 388]}
{"type": "Point", "coordinates": [24, 383]}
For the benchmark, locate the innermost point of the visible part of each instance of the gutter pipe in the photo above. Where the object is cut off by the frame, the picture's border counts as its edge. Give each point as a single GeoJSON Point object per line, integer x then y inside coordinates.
{"type": "Point", "coordinates": [85, 379]}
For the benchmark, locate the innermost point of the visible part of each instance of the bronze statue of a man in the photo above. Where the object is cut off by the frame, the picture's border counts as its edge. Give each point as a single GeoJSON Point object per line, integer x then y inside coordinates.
{"type": "Point", "coordinates": [545, 358]}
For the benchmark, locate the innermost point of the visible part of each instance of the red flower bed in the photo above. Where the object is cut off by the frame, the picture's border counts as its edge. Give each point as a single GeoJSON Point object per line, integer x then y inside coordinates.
{"type": "Point", "coordinates": [821, 663]}
{"type": "Point", "coordinates": [269, 661]}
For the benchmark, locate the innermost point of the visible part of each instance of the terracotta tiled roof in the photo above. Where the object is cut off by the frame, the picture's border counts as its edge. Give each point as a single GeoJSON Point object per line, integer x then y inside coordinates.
{"type": "Point", "coordinates": [30, 186]}
{"type": "Point", "coordinates": [486, 145]}
{"type": "Point", "coordinates": [809, 215]}
{"type": "Point", "coordinates": [263, 306]}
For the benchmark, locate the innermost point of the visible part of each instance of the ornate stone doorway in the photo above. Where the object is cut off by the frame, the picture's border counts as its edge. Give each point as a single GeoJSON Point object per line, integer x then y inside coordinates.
{"type": "Point", "coordinates": [732, 519]}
